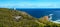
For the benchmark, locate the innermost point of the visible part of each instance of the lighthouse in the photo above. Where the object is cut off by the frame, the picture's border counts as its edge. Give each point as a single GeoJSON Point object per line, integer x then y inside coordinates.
{"type": "Point", "coordinates": [14, 8]}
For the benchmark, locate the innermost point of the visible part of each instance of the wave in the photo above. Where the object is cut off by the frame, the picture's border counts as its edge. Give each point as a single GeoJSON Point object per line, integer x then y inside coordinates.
{"type": "Point", "coordinates": [50, 19]}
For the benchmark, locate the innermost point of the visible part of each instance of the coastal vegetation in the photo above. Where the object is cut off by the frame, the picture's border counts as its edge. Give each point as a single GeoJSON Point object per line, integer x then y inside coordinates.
{"type": "Point", "coordinates": [7, 19]}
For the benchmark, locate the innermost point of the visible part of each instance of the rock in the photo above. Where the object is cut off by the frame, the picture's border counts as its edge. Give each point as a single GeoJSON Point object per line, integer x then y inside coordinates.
{"type": "Point", "coordinates": [45, 18]}
{"type": "Point", "coordinates": [18, 17]}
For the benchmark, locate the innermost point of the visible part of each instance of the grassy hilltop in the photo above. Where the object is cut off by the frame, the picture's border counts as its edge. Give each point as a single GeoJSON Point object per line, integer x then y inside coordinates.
{"type": "Point", "coordinates": [7, 19]}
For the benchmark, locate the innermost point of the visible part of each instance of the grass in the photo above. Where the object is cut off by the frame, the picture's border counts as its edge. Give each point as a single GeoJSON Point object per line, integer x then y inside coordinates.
{"type": "Point", "coordinates": [7, 19]}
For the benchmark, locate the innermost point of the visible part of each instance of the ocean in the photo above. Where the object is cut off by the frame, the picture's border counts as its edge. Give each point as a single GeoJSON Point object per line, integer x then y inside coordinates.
{"type": "Point", "coordinates": [40, 12]}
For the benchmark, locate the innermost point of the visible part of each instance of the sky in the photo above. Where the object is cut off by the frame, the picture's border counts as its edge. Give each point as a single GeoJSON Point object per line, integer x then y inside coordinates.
{"type": "Point", "coordinates": [29, 3]}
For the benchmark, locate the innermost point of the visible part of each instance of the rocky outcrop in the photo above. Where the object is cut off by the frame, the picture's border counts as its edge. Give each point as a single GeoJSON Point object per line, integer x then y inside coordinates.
{"type": "Point", "coordinates": [45, 18]}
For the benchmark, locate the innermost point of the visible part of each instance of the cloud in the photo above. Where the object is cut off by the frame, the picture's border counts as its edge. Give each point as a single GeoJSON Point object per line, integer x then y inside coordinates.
{"type": "Point", "coordinates": [41, 5]}
{"type": "Point", "coordinates": [30, 5]}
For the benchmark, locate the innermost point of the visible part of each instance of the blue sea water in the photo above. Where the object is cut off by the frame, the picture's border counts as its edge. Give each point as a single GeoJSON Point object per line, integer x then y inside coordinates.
{"type": "Point", "coordinates": [40, 12]}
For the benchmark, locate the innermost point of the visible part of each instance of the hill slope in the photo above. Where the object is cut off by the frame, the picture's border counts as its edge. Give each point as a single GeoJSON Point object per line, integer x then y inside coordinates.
{"type": "Point", "coordinates": [7, 19]}
{"type": "Point", "coordinates": [14, 18]}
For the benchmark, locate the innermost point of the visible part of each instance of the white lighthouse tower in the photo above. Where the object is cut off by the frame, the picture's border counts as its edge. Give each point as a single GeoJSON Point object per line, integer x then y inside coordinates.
{"type": "Point", "coordinates": [14, 8]}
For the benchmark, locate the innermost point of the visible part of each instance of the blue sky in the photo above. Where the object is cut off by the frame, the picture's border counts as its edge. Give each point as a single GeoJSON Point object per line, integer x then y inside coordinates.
{"type": "Point", "coordinates": [29, 3]}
